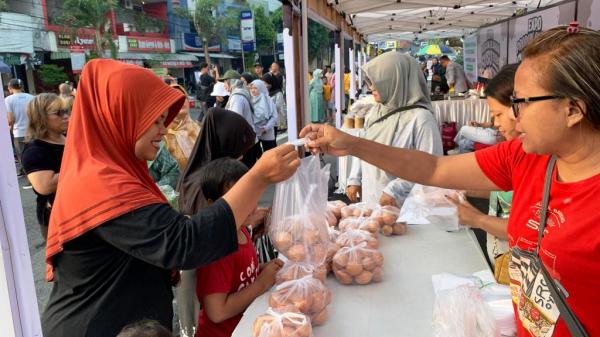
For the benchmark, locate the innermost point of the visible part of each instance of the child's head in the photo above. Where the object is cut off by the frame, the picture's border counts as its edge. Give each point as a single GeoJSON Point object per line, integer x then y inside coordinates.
{"type": "Point", "coordinates": [145, 328]}
{"type": "Point", "coordinates": [219, 175]}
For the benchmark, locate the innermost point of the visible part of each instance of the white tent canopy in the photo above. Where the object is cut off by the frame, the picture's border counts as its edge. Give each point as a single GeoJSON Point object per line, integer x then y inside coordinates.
{"type": "Point", "coordinates": [380, 20]}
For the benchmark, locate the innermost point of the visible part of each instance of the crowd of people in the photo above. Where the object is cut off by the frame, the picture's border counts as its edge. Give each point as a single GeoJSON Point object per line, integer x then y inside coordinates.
{"type": "Point", "coordinates": [108, 224]}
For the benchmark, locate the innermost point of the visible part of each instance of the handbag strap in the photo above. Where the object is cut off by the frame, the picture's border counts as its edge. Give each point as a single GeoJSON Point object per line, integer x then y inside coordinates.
{"type": "Point", "coordinates": [557, 291]}
{"type": "Point", "coordinates": [395, 111]}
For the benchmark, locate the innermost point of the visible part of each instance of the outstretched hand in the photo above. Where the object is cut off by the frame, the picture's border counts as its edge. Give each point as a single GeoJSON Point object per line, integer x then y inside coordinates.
{"type": "Point", "coordinates": [326, 139]}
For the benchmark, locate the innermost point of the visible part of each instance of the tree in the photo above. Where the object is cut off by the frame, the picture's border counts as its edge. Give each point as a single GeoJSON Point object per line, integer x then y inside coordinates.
{"type": "Point", "coordinates": [2, 5]}
{"type": "Point", "coordinates": [206, 24]}
{"type": "Point", "coordinates": [265, 32]}
{"type": "Point", "coordinates": [52, 75]}
{"type": "Point", "coordinates": [91, 14]}
{"type": "Point", "coordinates": [277, 19]}
{"type": "Point", "coordinates": [318, 39]}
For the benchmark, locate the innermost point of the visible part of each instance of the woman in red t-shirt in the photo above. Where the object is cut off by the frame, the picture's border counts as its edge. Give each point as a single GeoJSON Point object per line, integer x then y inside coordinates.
{"type": "Point", "coordinates": [557, 107]}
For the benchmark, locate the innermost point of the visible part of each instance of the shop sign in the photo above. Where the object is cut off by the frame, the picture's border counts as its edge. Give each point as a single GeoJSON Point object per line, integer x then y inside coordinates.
{"type": "Point", "coordinates": [152, 44]}
{"type": "Point", "coordinates": [65, 40]}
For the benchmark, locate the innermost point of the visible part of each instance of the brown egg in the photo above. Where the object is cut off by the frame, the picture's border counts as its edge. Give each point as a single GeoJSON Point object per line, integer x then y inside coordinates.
{"type": "Point", "coordinates": [296, 253]}
{"type": "Point", "coordinates": [304, 330]}
{"type": "Point", "coordinates": [399, 228]}
{"type": "Point", "coordinates": [283, 240]}
{"type": "Point", "coordinates": [357, 212]}
{"type": "Point", "coordinates": [354, 269]}
{"type": "Point", "coordinates": [378, 258]}
{"type": "Point", "coordinates": [364, 278]}
{"type": "Point", "coordinates": [389, 219]}
{"type": "Point", "coordinates": [386, 230]}
{"type": "Point", "coordinates": [318, 253]}
{"type": "Point", "coordinates": [320, 273]}
{"type": "Point", "coordinates": [368, 263]}
{"type": "Point", "coordinates": [371, 225]}
{"type": "Point", "coordinates": [320, 318]}
{"type": "Point", "coordinates": [286, 274]}
{"type": "Point", "coordinates": [367, 212]}
{"type": "Point", "coordinates": [347, 211]}
{"type": "Point", "coordinates": [340, 260]}
{"type": "Point", "coordinates": [289, 331]}
{"type": "Point", "coordinates": [331, 219]}
{"type": "Point", "coordinates": [378, 274]}
{"type": "Point", "coordinates": [373, 243]}
{"type": "Point", "coordinates": [342, 276]}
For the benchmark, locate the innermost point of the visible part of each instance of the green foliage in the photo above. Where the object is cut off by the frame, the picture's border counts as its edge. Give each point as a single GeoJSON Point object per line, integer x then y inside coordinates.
{"type": "Point", "coordinates": [277, 19]}
{"type": "Point", "coordinates": [207, 26]}
{"type": "Point", "coordinates": [52, 75]}
{"type": "Point", "coordinates": [144, 23]}
{"type": "Point", "coordinates": [92, 14]}
{"type": "Point", "coordinates": [87, 13]}
{"type": "Point", "coordinates": [318, 38]}
{"type": "Point", "coordinates": [2, 5]}
{"type": "Point", "coordinates": [265, 32]}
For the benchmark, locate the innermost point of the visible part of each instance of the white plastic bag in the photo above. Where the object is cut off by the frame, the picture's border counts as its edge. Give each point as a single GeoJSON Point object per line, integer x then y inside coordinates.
{"type": "Point", "coordinates": [428, 205]}
{"type": "Point", "coordinates": [307, 295]}
{"type": "Point", "coordinates": [461, 312]}
{"type": "Point", "coordinates": [298, 226]}
{"type": "Point", "coordinates": [496, 298]}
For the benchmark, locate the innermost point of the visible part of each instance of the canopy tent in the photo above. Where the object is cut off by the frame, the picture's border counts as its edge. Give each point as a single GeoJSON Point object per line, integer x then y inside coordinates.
{"type": "Point", "coordinates": [380, 20]}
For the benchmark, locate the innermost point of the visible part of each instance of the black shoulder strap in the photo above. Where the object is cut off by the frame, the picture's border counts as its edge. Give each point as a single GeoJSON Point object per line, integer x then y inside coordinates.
{"type": "Point", "coordinates": [557, 291]}
{"type": "Point", "coordinates": [395, 111]}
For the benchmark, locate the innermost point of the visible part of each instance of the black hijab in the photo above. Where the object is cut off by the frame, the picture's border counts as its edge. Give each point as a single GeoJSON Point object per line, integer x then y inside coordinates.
{"type": "Point", "coordinates": [224, 134]}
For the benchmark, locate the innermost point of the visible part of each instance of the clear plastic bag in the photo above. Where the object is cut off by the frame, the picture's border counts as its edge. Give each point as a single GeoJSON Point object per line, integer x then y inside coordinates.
{"type": "Point", "coordinates": [496, 297]}
{"type": "Point", "coordinates": [295, 271]}
{"type": "Point", "coordinates": [387, 216]}
{"type": "Point", "coordinates": [353, 237]}
{"type": "Point", "coordinates": [298, 227]}
{"type": "Point", "coordinates": [306, 295]}
{"type": "Point", "coordinates": [282, 324]}
{"type": "Point", "coordinates": [332, 246]}
{"type": "Point", "coordinates": [361, 209]}
{"type": "Point", "coordinates": [428, 205]}
{"type": "Point", "coordinates": [365, 223]}
{"type": "Point", "coordinates": [358, 265]}
{"type": "Point", "coordinates": [335, 206]}
{"type": "Point", "coordinates": [461, 312]}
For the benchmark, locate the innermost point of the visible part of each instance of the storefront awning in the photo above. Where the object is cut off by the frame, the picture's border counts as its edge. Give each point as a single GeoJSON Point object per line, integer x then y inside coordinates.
{"type": "Point", "coordinates": [165, 60]}
{"type": "Point", "coordinates": [213, 55]}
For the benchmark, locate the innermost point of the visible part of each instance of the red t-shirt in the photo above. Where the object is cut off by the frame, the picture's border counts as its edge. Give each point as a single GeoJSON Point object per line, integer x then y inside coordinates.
{"type": "Point", "coordinates": [570, 247]}
{"type": "Point", "coordinates": [227, 275]}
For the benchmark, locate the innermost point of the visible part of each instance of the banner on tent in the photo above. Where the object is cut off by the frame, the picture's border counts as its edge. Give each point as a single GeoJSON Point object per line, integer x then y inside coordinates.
{"type": "Point", "coordinates": [523, 29]}
{"type": "Point", "coordinates": [470, 57]}
{"type": "Point", "coordinates": [492, 48]}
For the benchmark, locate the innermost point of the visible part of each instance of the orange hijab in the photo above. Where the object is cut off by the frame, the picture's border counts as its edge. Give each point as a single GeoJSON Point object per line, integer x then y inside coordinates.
{"type": "Point", "coordinates": [100, 176]}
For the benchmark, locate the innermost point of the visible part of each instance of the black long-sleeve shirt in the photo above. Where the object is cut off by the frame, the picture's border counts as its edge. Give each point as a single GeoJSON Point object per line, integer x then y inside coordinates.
{"type": "Point", "coordinates": [119, 272]}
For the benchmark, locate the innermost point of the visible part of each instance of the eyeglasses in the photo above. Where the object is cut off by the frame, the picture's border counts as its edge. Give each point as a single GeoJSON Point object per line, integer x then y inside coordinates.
{"type": "Point", "coordinates": [516, 102]}
{"type": "Point", "coordinates": [60, 113]}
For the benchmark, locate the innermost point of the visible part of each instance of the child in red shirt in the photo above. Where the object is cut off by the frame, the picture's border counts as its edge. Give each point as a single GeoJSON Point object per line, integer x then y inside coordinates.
{"type": "Point", "coordinates": [226, 287]}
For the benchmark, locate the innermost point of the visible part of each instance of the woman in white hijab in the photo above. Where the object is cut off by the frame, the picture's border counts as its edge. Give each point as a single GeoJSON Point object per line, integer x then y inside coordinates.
{"type": "Point", "coordinates": [403, 118]}
{"type": "Point", "coordinates": [265, 114]}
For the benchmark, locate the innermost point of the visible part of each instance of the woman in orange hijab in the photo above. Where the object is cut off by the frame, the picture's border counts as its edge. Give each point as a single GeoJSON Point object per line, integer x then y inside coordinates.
{"type": "Point", "coordinates": [113, 239]}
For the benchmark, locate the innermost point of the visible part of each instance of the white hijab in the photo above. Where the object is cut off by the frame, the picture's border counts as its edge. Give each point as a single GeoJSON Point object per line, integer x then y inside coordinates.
{"type": "Point", "coordinates": [264, 108]}
{"type": "Point", "coordinates": [399, 82]}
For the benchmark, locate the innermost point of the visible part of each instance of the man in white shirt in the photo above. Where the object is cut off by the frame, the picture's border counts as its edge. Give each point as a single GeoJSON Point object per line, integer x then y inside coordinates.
{"type": "Point", "coordinates": [16, 109]}
{"type": "Point", "coordinates": [455, 75]}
